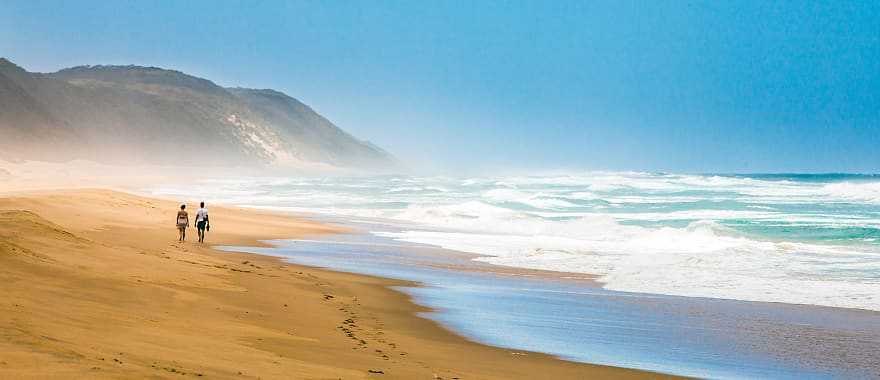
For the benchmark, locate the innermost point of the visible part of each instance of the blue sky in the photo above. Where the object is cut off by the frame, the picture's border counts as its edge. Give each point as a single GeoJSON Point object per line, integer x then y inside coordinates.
{"type": "Point", "coordinates": [689, 86]}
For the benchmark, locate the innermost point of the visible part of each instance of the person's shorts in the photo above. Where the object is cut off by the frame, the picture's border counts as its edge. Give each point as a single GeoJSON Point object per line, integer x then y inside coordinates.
{"type": "Point", "coordinates": [202, 225]}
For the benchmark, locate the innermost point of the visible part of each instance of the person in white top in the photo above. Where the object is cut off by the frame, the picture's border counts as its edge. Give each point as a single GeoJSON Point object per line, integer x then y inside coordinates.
{"type": "Point", "coordinates": [202, 222]}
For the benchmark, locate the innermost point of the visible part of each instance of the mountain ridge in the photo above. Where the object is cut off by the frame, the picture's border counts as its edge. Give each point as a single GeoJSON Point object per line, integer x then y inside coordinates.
{"type": "Point", "coordinates": [146, 114]}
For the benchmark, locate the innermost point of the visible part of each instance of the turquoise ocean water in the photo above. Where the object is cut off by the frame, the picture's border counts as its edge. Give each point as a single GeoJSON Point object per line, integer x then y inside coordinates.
{"type": "Point", "coordinates": [717, 276]}
{"type": "Point", "coordinates": [800, 239]}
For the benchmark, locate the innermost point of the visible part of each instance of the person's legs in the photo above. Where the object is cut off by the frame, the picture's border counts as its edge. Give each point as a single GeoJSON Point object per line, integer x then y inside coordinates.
{"type": "Point", "coordinates": [201, 232]}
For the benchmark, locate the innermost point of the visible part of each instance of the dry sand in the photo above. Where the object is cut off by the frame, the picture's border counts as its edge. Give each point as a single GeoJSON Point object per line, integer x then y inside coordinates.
{"type": "Point", "coordinates": [95, 285]}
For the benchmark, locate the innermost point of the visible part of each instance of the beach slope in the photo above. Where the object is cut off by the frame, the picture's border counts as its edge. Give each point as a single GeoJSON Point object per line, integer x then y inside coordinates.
{"type": "Point", "coordinates": [95, 285]}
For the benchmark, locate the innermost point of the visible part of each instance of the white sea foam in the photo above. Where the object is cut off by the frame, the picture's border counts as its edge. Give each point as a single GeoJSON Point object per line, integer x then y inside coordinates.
{"type": "Point", "coordinates": [701, 260]}
{"type": "Point", "coordinates": [777, 239]}
{"type": "Point", "coordinates": [869, 192]}
{"type": "Point", "coordinates": [535, 200]}
{"type": "Point", "coordinates": [582, 195]}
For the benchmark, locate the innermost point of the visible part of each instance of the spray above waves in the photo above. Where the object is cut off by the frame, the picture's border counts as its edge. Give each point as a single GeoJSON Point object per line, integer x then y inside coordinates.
{"type": "Point", "coordinates": [702, 259]}
{"type": "Point", "coordinates": [777, 238]}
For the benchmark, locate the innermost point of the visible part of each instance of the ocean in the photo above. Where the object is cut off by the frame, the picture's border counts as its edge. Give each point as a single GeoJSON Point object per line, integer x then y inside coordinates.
{"type": "Point", "coordinates": [715, 276]}
{"type": "Point", "coordinates": [799, 239]}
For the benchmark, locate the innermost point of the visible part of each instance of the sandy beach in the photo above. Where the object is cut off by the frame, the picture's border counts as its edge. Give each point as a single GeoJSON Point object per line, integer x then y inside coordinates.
{"type": "Point", "coordinates": [95, 285]}
{"type": "Point", "coordinates": [440, 190]}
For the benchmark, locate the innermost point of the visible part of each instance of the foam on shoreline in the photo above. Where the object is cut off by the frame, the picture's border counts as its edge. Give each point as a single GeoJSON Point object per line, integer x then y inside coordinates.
{"type": "Point", "coordinates": [803, 239]}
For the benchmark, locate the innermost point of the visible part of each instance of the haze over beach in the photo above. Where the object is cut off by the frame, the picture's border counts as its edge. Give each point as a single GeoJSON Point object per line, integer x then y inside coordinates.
{"type": "Point", "coordinates": [450, 190]}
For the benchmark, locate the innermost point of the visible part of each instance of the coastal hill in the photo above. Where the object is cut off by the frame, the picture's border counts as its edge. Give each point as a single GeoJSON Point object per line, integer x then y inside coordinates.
{"type": "Point", "coordinates": [148, 115]}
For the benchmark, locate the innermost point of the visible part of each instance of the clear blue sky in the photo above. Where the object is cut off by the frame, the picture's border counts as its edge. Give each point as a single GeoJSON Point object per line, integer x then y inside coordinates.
{"type": "Point", "coordinates": [715, 86]}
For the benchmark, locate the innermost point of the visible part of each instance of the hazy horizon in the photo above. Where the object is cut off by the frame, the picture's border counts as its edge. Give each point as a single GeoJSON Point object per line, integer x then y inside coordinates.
{"type": "Point", "coordinates": [456, 189]}
{"type": "Point", "coordinates": [702, 87]}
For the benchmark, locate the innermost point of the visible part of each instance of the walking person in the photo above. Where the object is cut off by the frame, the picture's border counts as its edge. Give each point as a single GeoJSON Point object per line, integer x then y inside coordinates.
{"type": "Point", "coordinates": [182, 222]}
{"type": "Point", "coordinates": [202, 222]}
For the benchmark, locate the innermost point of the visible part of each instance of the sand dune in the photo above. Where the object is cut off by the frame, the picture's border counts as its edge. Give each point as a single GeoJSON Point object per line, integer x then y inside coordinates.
{"type": "Point", "coordinates": [140, 115]}
{"type": "Point", "coordinates": [94, 285]}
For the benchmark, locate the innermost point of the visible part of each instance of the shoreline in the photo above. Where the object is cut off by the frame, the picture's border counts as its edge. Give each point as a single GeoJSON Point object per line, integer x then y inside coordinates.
{"type": "Point", "coordinates": [210, 311]}
{"type": "Point", "coordinates": [773, 334]}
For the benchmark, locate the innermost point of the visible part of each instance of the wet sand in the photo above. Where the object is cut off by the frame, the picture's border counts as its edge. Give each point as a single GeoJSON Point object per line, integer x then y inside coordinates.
{"type": "Point", "coordinates": [573, 318]}
{"type": "Point", "coordinates": [95, 285]}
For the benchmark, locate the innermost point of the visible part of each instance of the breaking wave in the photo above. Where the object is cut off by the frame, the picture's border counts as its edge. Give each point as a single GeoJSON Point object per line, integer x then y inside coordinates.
{"type": "Point", "coordinates": [806, 239]}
